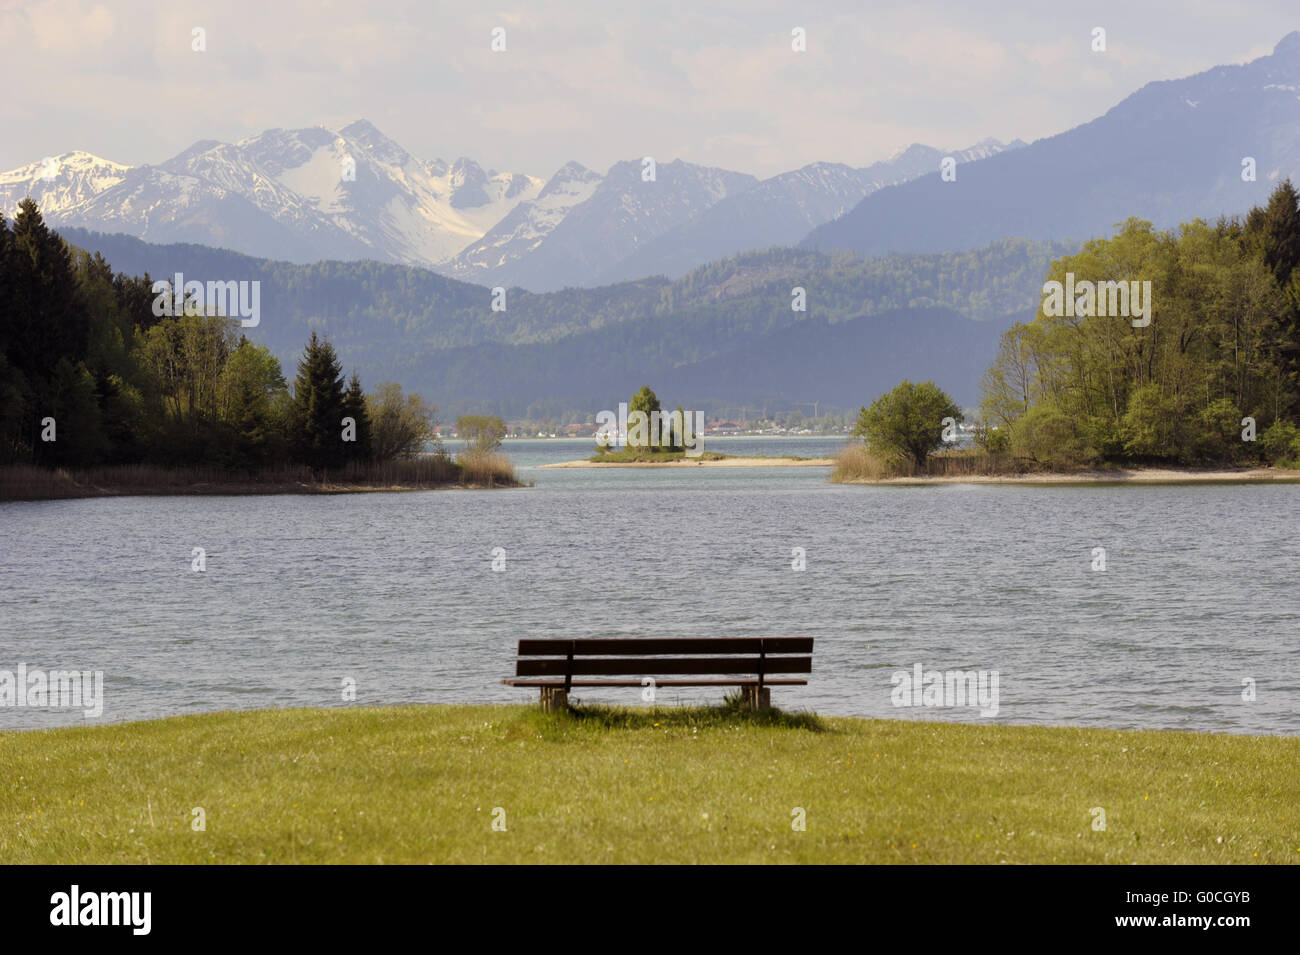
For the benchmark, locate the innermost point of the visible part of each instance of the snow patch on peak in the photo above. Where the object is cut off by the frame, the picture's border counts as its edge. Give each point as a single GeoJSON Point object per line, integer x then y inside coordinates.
{"type": "Point", "coordinates": [364, 131]}
{"type": "Point", "coordinates": [59, 183]}
{"type": "Point", "coordinates": [912, 151]}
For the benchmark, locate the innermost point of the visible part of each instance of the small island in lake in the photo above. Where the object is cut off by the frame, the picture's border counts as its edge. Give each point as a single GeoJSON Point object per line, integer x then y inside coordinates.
{"type": "Point", "coordinates": [646, 458]}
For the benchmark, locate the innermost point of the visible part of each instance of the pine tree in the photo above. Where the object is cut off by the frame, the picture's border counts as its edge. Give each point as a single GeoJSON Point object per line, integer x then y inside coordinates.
{"type": "Point", "coordinates": [354, 406]}
{"type": "Point", "coordinates": [1277, 228]}
{"type": "Point", "coordinates": [47, 321]}
{"type": "Point", "coordinates": [318, 408]}
{"type": "Point", "coordinates": [7, 316]}
{"type": "Point", "coordinates": [70, 398]}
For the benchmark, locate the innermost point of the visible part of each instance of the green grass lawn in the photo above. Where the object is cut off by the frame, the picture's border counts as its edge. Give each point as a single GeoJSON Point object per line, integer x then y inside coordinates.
{"type": "Point", "coordinates": [420, 784]}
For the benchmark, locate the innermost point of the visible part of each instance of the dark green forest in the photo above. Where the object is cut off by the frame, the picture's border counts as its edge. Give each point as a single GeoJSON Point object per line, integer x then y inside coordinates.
{"type": "Point", "coordinates": [90, 375]}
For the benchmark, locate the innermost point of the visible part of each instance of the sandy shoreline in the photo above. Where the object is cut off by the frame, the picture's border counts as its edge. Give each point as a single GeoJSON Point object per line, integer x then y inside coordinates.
{"type": "Point", "coordinates": [63, 493]}
{"type": "Point", "coordinates": [1122, 476]}
{"type": "Point", "coordinates": [701, 463]}
{"type": "Point", "coordinates": [1118, 476]}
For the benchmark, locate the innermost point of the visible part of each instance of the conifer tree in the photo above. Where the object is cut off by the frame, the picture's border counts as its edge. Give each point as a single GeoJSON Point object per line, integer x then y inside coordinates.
{"type": "Point", "coordinates": [1276, 228]}
{"type": "Point", "coordinates": [318, 408]}
{"type": "Point", "coordinates": [46, 321]}
{"type": "Point", "coordinates": [7, 315]}
{"type": "Point", "coordinates": [354, 406]}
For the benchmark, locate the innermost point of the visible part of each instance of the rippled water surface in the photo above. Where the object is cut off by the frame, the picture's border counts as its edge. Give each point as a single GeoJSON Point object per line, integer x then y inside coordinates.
{"type": "Point", "coordinates": [397, 591]}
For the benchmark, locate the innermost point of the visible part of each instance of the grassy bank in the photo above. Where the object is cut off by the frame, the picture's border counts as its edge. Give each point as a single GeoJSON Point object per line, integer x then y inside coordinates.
{"type": "Point", "coordinates": [28, 483]}
{"type": "Point", "coordinates": [647, 456]}
{"type": "Point", "coordinates": [419, 784]}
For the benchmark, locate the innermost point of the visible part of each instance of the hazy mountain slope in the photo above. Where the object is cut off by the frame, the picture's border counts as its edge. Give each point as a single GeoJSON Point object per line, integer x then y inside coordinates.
{"type": "Point", "coordinates": [781, 210]}
{"type": "Point", "coordinates": [1170, 152]}
{"type": "Point", "coordinates": [849, 363]}
{"type": "Point", "coordinates": [842, 365]}
{"type": "Point", "coordinates": [440, 336]}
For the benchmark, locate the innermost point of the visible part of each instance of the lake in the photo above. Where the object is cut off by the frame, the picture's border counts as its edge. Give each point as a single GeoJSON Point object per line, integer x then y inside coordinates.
{"type": "Point", "coordinates": [398, 592]}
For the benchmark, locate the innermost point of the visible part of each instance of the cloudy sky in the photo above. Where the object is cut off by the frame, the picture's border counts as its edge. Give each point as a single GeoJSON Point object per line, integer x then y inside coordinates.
{"type": "Point", "coordinates": [710, 82]}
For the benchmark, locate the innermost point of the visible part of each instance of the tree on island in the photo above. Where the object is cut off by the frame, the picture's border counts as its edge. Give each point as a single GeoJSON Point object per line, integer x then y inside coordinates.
{"type": "Point", "coordinates": [482, 433]}
{"type": "Point", "coordinates": [907, 422]}
{"type": "Point", "coordinates": [646, 401]}
{"type": "Point", "coordinates": [399, 426]}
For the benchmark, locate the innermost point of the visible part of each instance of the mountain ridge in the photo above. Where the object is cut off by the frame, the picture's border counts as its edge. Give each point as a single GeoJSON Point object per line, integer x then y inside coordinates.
{"type": "Point", "coordinates": [1169, 152]}
{"type": "Point", "coordinates": [352, 193]}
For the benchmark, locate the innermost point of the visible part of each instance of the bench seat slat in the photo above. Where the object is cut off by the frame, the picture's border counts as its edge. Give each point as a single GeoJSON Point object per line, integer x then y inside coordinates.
{"type": "Point", "coordinates": [591, 666]}
{"type": "Point", "coordinates": [637, 646]}
{"type": "Point", "coordinates": [781, 681]}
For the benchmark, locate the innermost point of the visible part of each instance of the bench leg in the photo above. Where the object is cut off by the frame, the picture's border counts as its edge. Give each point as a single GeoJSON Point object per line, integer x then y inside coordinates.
{"type": "Point", "coordinates": [554, 699]}
{"type": "Point", "coordinates": [757, 698]}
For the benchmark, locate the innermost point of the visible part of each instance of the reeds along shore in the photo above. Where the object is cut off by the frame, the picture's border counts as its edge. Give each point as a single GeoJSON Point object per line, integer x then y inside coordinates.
{"type": "Point", "coordinates": [857, 463]}
{"type": "Point", "coordinates": [21, 482]}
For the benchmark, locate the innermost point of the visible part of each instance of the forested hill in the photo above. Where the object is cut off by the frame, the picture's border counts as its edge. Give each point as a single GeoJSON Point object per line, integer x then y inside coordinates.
{"type": "Point", "coordinates": [443, 338]}
{"type": "Point", "coordinates": [810, 360]}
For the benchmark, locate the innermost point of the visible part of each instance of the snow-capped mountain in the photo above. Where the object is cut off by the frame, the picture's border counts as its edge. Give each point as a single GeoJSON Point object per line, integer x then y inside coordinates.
{"type": "Point", "coordinates": [527, 225]}
{"type": "Point", "coordinates": [302, 195]}
{"type": "Point", "coordinates": [160, 206]}
{"type": "Point", "coordinates": [781, 210]}
{"type": "Point", "coordinates": [59, 183]}
{"type": "Point", "coordinates": [358, 183]}
{"type": "Point", "coordinates": [624, 211]}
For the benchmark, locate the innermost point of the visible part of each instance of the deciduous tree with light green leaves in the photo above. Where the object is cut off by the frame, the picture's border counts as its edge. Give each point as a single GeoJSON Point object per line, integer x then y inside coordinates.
{"type": "Point", "coordinates": [907, 422]}
{"type": "Point", "coordinates": [647, 401]}
{"type": "Point", "coordinates": [483, 433]}
{"type": "Point", "coordinates": [1220, 355]}
{"type": "Point", "coordinates": [399, 426]}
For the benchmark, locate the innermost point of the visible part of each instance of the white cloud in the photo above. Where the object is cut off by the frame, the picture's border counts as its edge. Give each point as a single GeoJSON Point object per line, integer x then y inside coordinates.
{"type": "Point", "coordinates": [594, 81]}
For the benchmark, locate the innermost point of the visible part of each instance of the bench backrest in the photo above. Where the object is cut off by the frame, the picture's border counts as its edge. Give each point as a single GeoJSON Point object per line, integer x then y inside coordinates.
{"type": "Point", "coordinates": [695, 656]}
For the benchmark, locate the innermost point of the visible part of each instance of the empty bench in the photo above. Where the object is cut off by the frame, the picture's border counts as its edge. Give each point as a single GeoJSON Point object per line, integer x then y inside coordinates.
{"type": "Point", "coordinates": [557, 666]}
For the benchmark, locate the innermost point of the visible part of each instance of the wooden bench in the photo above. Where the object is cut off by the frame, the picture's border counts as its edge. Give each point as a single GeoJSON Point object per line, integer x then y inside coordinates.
{"type": "Point", "coordinates": [557, 666]}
